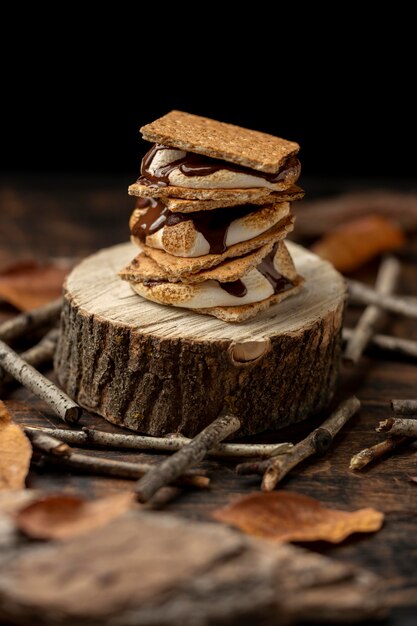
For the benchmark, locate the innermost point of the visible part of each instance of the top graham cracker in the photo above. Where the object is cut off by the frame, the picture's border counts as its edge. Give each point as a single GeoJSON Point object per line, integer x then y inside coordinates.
{"type": "Point", "coordinates": [219, 140]}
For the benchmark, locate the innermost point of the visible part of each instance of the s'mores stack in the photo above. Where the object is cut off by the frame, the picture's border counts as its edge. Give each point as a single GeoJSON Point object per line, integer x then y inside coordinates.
{"type": "Point", "coordinates": [212, 214]}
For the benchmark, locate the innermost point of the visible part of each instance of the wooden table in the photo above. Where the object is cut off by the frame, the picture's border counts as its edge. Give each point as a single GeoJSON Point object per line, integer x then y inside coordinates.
{"type": "Point", "coordinates": [73, 217]}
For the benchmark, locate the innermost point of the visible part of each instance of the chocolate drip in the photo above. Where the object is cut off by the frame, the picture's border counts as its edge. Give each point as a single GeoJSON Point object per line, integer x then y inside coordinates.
{"type": "Point", "coordinates": [267, 268]}
{"type": "Point", "coordinates": [235, 288]}
{"type": "Point", "coordinates": [213, 225]}
{"type": "Point", "coordinates": [151, 221]}
{"type": "Point", "coordinates": [192, 164]}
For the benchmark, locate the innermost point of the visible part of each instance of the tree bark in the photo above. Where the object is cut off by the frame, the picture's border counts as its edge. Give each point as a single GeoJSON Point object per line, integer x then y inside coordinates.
{"type": "Point", "coordinates": [161, 370]}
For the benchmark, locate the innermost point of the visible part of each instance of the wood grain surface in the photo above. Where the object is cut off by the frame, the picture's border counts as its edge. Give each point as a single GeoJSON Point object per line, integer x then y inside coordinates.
{"type": "Point", "coordinates": [73, 218]}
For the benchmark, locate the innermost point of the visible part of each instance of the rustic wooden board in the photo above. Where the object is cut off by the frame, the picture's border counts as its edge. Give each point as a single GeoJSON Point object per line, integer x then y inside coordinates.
{"type": "Point", "coordinates": [72, 219]}
{"type": "Point", "coordinates": [150, 568]}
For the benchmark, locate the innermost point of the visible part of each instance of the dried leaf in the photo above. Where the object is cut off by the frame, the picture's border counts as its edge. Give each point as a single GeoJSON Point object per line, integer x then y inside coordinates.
{"type": "Point", "coordinates": [62, 516]}
{"type": "Point", "coordinates": [287, 516]}
{"type": "Point", "coordinates": [29, 284]}
{"type": "Point", "coordinates": [353, 244]}
{"type": "Point", "coordinates": [413, 479]}
{"type": "Point", "coordinates": [12, 500]}
{"type": "Point", "coordinates": [15, 452]}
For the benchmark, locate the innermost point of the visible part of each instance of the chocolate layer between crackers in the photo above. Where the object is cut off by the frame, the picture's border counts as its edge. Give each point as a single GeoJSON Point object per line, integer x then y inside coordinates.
{"type": "Point", "coordinates": [178, 266]}
{"type": "Point", "coordinates": [179, 239]}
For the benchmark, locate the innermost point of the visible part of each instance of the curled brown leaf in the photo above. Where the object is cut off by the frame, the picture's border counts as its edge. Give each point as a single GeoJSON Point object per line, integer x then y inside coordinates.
{"type": "Point", "coordinates": [29, 284]}
{"type": "Point", "coordinates": [64, 516]}
{"type": "Point", "coordinates": [15, 452]}
{"type": "Point", "coordinates": [287, 516]}
{"type": "Point", "coordinates": [354, 243]}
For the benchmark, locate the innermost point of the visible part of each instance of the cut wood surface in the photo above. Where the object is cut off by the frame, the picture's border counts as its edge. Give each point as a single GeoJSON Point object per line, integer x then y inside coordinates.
{"type": "Point", "coordinates": [160, 370]}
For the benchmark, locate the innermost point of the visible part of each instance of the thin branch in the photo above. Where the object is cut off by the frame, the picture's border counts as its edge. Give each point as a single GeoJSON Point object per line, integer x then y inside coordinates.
{"type": "Point", "coordinates": [191, 454]}
{"type": "Point", "coordinates": [399, 426]}
{"type": "Point", "coordinates": [253, 467]}
{"type": "Point", "coordinates": [404, 407]}
{"type": "Point", "coordinates": [395, 304]}
{"type": "Point", "coordinates": [40, 354]}
{"type": "Point", "coordinates": [25, 322]}
{"type": "Point", "coordinates": [48, 444]}
{"type": "Point", "coordinates": [59, 453]}
{"type": "Point", "coordinates": [385, 284]}
{"type": "Point", "coordinates": [116, 441]}
{"type": "Point", "coordinates": [374, 453]}
{"type": "Point", "coordinates": [406, 347]}
{"type": "Point", "coordinates": [40, 386]}
{"type": "Point", "coordinates": [317, 442]}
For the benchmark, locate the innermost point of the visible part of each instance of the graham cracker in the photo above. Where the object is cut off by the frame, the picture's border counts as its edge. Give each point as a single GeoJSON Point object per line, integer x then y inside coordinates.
{"type": "Point", "coordinates": [180, 205]}
{"type": "Point", "coordinates": [238, 195]}
{"type": "Point", "coordinates": [178, 266]}
{"type": "Point", "coordinates": [219, 140]}
{"type": "Point", "coordinates": [245, 312]}
{"type": "Point", "coordinates": [143, 268]}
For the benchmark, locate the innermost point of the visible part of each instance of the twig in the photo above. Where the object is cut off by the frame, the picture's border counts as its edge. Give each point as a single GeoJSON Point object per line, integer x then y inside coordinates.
{"type": "Point", "coordinates": [404, 407]}
{"type": "Point", "coordinates": [368, 455]}
{"type": "Point", "coordinates": [399, 426]}
{"type": "Point", "coordinates": [395, 304]}
{"type": "Point", "coordinates": [101, 438]}
{"type": "Point", "coordinates": [387, 342]}
{"type": "Point", "coordinates": [30, 378]}
{"type": "Point", "coordinates": [253, 467]}
{"type": "Point", "coordinates": [21, 324]}
{"type": "Point", "coordinates": [366, 327]}
{"type": "Point", "coordinates": [191, 454]}
{"type": "Point", "coordinates": [48, 444]}
{"type": "Point", "coordinates": [317, 442]}
{"type": "Point", "coordinates": [42, 353]}
{"type": "Point", "coordinates": [61, 454]}
{"type": "Point", "coordinates": [123, 469]}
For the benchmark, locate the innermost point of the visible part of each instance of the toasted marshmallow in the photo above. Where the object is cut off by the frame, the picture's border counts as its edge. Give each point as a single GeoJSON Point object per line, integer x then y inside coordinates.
{"type": "Point", "coordinates": [225, 178]}
{"type": "Point", "coordinates": [209, 232]}
{"type": "Point", "coordinates": [207, 294]}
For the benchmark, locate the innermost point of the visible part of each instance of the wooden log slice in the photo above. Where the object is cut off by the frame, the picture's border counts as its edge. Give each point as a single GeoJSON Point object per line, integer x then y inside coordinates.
{"type": "Point", "coordinates": [158, 369]}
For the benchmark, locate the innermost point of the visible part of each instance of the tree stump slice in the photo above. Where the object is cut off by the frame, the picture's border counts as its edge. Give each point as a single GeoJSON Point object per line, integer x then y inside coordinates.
{"type": "Point", "coordinates": [158, 370]}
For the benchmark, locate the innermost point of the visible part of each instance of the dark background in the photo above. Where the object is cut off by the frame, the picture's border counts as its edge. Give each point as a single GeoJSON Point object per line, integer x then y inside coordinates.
{"type": "Point", "coordinates": [76, 92]}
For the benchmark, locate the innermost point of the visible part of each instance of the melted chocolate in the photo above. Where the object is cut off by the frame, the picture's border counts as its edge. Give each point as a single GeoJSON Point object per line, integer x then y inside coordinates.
{"type": "Point", "coordinates": [192, 164]}
{"type": "Point", "coordinates": [151, 221]}
{"type": "Point", "coordinates": [235, 288]}
{"type": "Point", "coordinates": [267, 269]}
{"type": "Point", "coordinates": [213, 225]}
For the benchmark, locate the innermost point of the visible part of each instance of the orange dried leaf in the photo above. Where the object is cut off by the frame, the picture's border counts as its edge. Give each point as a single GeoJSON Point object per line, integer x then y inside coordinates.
{"type": "Point", "coordinates": [287, 516]}
{"type": "Point", "coordinates": [62, 516]}
{"type": "Point", "coordinates": [15, 452]}
{"type": "Point", "coordinates": [29, 284]}
{"type": "Point", "coordinates": [353, 244]}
